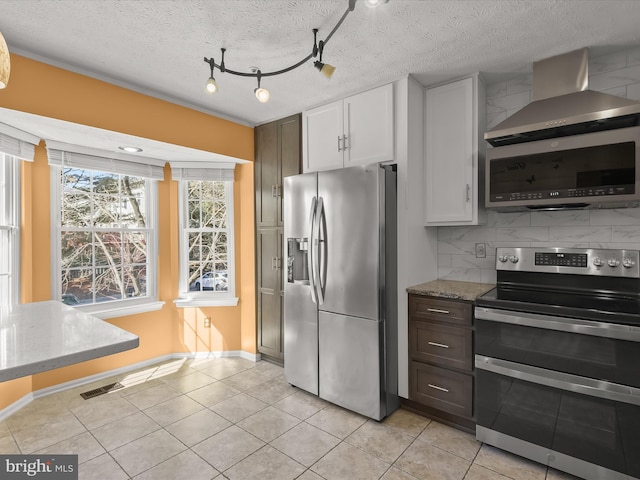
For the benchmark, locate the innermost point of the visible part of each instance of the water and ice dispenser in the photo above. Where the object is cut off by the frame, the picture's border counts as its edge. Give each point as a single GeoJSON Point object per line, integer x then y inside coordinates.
{"type": "Point", "coordinates": [297, 260]}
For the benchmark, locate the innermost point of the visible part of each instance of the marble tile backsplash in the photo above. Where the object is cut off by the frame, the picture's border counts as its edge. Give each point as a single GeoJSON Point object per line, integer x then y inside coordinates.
{"type": "Point", "coordinates": [617, 73]}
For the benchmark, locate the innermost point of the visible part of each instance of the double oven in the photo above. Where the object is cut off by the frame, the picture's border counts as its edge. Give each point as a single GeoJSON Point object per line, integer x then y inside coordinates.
{"type": "Point", "coordinates": [558, 360]}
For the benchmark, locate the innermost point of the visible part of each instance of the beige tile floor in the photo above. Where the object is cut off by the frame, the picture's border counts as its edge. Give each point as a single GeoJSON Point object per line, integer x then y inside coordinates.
{"type": "Point", "coordinates": [235, 419]}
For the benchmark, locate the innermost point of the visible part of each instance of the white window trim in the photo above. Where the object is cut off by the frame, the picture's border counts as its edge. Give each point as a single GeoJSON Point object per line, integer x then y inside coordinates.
{"type": "Point", "coordinates": [12, 166]}
{"type": "Point", "coordinates": [206, 299]}
{"type": "Point", "coordinates": [118, 308]}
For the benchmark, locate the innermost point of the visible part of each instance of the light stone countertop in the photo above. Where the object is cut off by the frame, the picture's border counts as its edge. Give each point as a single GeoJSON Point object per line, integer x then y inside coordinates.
{"type": "Point", "coordinates": [40, 336]}
{"type": "Point", "coordinates": [453, 289]}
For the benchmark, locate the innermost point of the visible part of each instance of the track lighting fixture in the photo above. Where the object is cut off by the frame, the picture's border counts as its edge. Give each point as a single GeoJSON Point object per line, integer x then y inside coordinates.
{"type": "Point", "coordinates": [262, 94]}
{"type": "Point", "coordinates": [211, 87]}
{"type": "Point", "coordinates": [325, 69]}
{"type": "Point", "coordinates": [5, 63]}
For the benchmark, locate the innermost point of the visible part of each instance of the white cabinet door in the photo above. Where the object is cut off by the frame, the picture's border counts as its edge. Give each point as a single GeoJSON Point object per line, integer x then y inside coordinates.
{"type": "Point", "coordinates": [322, 137]}
{"type": "Point", "coordinates": [450, 154]}
{"type": "Point", "coordinates": [368, 127]}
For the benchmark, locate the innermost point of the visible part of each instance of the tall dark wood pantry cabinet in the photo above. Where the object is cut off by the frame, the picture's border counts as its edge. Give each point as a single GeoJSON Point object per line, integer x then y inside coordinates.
{"type": "Point", "coordinates": [277, 155]}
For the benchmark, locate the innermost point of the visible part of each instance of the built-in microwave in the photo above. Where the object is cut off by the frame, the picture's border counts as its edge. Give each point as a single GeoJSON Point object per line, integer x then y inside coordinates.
{"type": "Point", "coordinates": [591, 170]}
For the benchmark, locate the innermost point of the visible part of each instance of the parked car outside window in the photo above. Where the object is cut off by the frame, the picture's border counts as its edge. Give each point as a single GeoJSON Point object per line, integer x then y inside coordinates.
{"type": "Point", "coordinates": [210, 281]}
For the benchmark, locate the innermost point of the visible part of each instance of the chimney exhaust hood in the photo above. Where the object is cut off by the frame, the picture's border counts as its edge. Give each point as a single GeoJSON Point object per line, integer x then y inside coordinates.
{"type": "Point", "coordinates": [563, 106]}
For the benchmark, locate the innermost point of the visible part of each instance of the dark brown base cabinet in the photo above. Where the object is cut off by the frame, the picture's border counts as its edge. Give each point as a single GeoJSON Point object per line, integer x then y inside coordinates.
{"type": "Point", "coordinates": [441, 360]}
{"type": "Point", "coordinates": [277, 155]}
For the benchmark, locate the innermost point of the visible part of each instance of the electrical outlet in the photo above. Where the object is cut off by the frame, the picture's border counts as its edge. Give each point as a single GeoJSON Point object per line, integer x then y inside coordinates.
{"type": "Point", "coordinates": [207, 322]}
{"type": "Point", "coordinates": [481, 250]}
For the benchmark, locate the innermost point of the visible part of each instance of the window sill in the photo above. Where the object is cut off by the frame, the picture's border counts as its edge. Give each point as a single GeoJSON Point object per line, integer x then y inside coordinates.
{"type": "Point", "coordinates": [206, 302]}
{"type": "Point", "coordinates": [122, 310]}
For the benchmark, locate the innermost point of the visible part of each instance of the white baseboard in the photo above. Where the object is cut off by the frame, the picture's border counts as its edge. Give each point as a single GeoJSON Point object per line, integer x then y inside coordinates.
{"type": "Point", "coordinates": [15, 406]}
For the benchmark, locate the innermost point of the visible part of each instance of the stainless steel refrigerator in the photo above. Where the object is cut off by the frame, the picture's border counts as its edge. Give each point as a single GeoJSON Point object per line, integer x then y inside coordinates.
{"type": "Point", "coordinates": [340, 294]}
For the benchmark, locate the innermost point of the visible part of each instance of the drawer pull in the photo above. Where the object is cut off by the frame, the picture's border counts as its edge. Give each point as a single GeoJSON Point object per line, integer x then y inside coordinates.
{"type": "Point", "coordinates": [442, 389]}
{"type": "Point", "coordinates": [441, 345]}
{"type": "Point", "coordinates": [437, 310]}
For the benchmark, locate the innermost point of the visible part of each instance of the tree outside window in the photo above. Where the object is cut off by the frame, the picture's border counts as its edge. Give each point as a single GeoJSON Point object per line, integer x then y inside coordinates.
{"type": "Point", "coordinates": [104, 236]}
{"type": "Point", "coordinates": [206, 235]}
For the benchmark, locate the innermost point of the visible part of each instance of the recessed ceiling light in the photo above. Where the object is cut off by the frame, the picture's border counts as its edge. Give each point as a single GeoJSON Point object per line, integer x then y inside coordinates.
{"type": "Point", "coordinates": [374, 3]}
{"type": "Point", "coordinates": [131, 149]}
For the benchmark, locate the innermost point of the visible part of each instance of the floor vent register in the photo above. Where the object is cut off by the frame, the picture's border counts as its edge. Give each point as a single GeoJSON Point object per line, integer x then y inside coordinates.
{"type": "Point", "coordinates": [101, 390]}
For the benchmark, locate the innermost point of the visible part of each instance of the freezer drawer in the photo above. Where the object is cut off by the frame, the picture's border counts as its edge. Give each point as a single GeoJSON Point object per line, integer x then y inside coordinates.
{"type": "Point", "coordinates": [350, 373]}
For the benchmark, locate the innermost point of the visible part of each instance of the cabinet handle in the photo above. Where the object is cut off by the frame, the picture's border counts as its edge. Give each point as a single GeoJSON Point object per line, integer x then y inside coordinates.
{"type": "Point", "coordinates": [339, 146]}
{"type": "Point", "coordinates": [437, 310]}
{"type": "Point", "coordinates": [441, 345]}
{"type": "Point", "coordinates": [442, 389]}
{"type": "Point", "coordinates": [274, 191]}
{"type": "Point", "coordinates": [468, 193]}
{"type": "Point", "coordinates": [344, 142]}
{"type": "Point", "coordinates": [275, 263]}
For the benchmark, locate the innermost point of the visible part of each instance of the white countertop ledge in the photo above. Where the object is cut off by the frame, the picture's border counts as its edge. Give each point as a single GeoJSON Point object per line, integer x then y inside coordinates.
{"type": "Point", "coordinates": [40, 336]}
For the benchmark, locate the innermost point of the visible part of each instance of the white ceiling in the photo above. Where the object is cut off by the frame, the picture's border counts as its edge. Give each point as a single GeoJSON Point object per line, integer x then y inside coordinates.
{"type": "Point", "coordinates": [157, 46]}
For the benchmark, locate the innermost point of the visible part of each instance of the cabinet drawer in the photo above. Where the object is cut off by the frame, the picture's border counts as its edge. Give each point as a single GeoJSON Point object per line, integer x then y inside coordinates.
{"type": "Point", "coordinates": [440, 388]}
{"type": "Point", "coordinates": [441, 345]}
{"type": "Point", "coordinates": [449, 311]}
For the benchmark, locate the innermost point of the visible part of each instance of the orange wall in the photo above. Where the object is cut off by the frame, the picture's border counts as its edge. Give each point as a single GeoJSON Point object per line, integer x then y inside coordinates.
{"type": "Point", "coordinates": [52, 92]}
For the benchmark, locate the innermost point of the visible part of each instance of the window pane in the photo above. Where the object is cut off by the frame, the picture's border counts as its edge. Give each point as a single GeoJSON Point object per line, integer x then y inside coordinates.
{"type": "Point", "coordinates": [194, 246]}
{"type": "Point", "coordinates": [106, 183]}
{"type": "Point", "coordinates": [135, 281]}
{"type": "Point", "coordinates": [194, 214]}
{"type": "Point", "coordinates": [76, 286]}
{"type": "Point", "coordinates": [108, 247]}
{"type": "Point", "coordinates": [76, 180]}
{"type": "Point", "coordinates": [134, 248]}
{"type": "Point", "coordinates": [220, 217]}
{"type": "Point", "coordinates": [208, 214]}
{"type": "Point", "coordinates": [106, 211]}
{"type": "Point", "coordinates": [76, 210]}
{"type": "Point", "coordinates": [108, 284]}
{"type": "Point", "coordinates": [193, 190]}
{"type": "Point", "coordinates": [208, 246]}
{"type": "Point", "coordinates": [76, 249]}
{"type": "Point", "coordinates": [132, 213]}
{"type": "Point", "coordinates": [194, 273]}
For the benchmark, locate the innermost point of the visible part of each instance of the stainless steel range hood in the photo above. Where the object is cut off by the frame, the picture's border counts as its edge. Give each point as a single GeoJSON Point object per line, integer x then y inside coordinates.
{"type": "Point", "coordinates": [563, 106]}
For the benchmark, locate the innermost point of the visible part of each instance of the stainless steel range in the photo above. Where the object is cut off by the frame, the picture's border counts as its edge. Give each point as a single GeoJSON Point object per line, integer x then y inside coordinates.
{"type": "Point", "coordinates": [558, 359]}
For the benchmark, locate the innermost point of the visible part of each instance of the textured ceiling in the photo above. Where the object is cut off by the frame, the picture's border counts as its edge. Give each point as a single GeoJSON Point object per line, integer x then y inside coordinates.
{"type": "Point", "coordinates": [157, 46]}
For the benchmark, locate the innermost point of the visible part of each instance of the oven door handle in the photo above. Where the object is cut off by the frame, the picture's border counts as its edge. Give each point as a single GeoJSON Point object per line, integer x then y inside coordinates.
{"type": "Point", "coordinates": [561, 324]}
{"type": "Point", "coordinates": [563, 381]}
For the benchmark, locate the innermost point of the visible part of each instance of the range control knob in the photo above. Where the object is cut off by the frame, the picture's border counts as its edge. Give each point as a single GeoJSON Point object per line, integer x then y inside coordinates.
{"type": "Point", "coordinates": [628, 263]}
{"type": "Point", "coordinates": [503, 258]}
{"type": "Point", "coordinates": [613, 262]}
{"type": "Point", "coordinates": [514, 259]}
{"type": "Point", "coordinates": [598, 262]}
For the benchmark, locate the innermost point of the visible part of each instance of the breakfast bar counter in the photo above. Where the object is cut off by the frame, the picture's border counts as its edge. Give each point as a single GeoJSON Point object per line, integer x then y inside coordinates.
{"type": "Point", "coordinates": [40, 336]}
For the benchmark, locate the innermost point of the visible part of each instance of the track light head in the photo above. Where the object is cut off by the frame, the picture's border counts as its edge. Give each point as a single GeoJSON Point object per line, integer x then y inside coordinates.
{"type": "Point", "coordinates": [262, 94]}
{"type": "Point", "coordinates": [211, 87]}
{"type": "Point", "coordinates": [325, 69]}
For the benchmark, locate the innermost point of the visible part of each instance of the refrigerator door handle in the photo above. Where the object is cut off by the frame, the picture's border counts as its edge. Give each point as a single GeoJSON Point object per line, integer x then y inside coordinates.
{"type": "Point", "coordinates": [310, 256]}
{"type": "Point", "coordinates": [322, 251]}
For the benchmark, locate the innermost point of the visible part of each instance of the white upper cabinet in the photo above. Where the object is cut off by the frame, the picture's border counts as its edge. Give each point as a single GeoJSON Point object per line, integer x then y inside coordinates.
{"type": "Point", "coordinates": [322, 137]}
{"type": "Point", "coordinates": [357, 130]}
{"type": "Point", "coordinates": [454, 153]}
